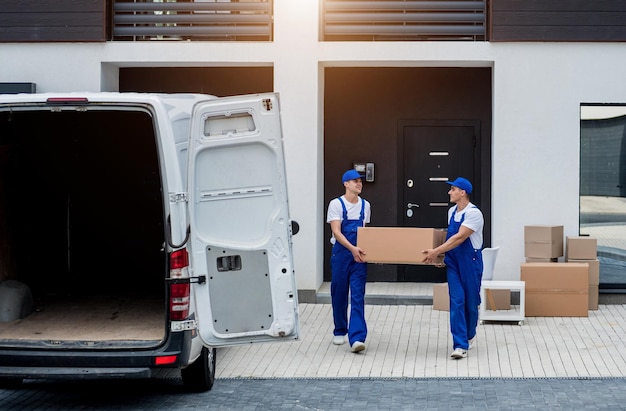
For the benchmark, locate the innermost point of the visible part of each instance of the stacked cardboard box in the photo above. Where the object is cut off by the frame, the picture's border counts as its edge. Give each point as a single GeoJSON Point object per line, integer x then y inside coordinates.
{"type": "Point", "coordinates": [543, 243]}
{"type": "Point", "coordinates": [398, 245]}
{"type": "Point", "coordinates": [556, 289]}
{"type": "Point", "coordinates": [441, 298]}
{"type": "Point", "coordinates": [585, 250]}
{"type": "Point", "coordinates": [542, 260]}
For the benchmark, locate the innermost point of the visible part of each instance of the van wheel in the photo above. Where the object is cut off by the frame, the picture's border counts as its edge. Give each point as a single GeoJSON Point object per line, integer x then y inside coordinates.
{"type": "Point", "coordinates": [200, 375]}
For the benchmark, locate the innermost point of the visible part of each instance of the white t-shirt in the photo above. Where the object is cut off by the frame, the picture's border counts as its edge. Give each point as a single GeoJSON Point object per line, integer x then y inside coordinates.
{"type": "Point", "coordinates": [473, 220]}
{"type": "Point", "coordinates": [335, 211]}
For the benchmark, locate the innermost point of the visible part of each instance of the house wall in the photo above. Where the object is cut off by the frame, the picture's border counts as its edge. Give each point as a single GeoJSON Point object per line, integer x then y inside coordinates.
{"type": "Point", "coordinates": [537, 91]}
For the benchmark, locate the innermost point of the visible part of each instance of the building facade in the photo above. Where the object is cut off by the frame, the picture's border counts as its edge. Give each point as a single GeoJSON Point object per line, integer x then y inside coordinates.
{"type": "Point", "coordinates": [423, 90]}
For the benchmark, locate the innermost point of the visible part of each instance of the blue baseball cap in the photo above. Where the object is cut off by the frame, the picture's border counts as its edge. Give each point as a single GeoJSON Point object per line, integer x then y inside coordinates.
{"type": "Point", "coordinates": [462, 183]}
{"type": "Point", "coordinates": [350, 175]}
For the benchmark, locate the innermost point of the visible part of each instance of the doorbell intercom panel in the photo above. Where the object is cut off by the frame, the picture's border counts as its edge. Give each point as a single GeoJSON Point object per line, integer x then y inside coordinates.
{"type": "Point", "coordinates": [367, 169]}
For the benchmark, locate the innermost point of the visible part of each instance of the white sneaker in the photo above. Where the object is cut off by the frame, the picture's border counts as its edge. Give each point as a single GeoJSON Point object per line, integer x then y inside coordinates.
{"type": "Point", "coordinates": [472, 343]}
{"type": "Point", "coordinates": [339, 339]}
{"type": "Point", "coordinates": [458, 353]}
{"type": "Point", "coordinates": [358, 346]}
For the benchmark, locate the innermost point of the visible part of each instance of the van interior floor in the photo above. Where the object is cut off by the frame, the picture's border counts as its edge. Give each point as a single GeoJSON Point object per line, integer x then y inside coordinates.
{"type": "Point", "coordinates": [91, 319]}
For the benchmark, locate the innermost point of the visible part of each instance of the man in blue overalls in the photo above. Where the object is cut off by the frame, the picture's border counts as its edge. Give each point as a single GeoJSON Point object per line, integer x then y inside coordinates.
{"type": "Point", "coordinates": [349, 272]}
{"type": "Point", "coordinates": [464, 262]}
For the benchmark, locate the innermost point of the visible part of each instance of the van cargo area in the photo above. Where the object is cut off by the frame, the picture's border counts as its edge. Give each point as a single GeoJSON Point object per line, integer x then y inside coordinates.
{"type": "Point", "coordinates": [81, 229]}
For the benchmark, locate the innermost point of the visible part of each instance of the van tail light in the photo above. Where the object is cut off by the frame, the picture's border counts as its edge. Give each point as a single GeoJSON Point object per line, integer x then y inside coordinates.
{"type": "Point", "coordinates": [165, 360]}
{"type": "Point", "coordinates": [179, 292]}
{"type": "Point", "coordinates": [179, 301]}
{"type": "Point", "coordinates": [179, 259]}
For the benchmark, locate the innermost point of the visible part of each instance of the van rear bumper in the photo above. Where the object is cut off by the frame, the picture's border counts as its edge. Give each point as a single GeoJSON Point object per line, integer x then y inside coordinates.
{"type": "Point", "coordinates": [71, 373]}
{"type": "Point", "coordinates": [93, 364]}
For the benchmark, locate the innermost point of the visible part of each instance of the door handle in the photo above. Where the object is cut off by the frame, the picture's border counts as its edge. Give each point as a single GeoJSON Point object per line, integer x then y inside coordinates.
{"type": "Point", "coordinates": [411, 205]}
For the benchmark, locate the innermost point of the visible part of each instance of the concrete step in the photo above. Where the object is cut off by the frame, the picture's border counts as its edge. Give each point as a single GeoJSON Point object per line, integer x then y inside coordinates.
{"type": "Point", "coordinates": [381, 299]}
{"type": "Point", "coordinates": [422, 294]}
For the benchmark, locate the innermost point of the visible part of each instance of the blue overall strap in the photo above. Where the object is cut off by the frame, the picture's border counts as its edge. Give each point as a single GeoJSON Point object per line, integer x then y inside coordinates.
{"type": "Point", "coordinates": [453, 226]}
{"type": "Point", "coordinates": [362, 216]}
{"type": "Point", "coordinates": [345, 210]}
{"type": "Point", "coordinates": [349, 227]}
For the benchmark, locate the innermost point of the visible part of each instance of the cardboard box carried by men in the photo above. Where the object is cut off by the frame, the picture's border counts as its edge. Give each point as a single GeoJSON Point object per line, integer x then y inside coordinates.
{"type": "Point", "coordinates": [399, 245]}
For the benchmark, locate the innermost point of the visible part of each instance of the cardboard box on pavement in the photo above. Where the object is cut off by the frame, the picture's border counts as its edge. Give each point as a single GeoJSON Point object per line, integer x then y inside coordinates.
{"type": "Point", "coordinates": [441, 298]}
{"type": "Point", "coordinates": [398, 245]}
{"type": "Point", "coordinates": [556, 289]}
{"type": "Point", "coordinates": [594, 269]}
{"type": "Point", "coordinates": [594, 296]}
{"type": "Point", "coordinates": [594, 280]}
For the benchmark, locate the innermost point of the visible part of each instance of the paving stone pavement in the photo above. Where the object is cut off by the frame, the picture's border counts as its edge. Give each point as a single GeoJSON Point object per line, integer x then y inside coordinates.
{"type": "Point", "coordinates": [549, 363]}
{"type": "Point", "coordinates": [324, 394]}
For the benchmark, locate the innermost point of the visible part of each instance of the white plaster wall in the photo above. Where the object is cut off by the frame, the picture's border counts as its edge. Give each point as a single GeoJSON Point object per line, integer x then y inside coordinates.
{"type": "Point", "coordinates": [296, 79]}
{"type": "Point", "coordinates": [53, 67]}
{"type": "Point", "coordinates": [537, 91]}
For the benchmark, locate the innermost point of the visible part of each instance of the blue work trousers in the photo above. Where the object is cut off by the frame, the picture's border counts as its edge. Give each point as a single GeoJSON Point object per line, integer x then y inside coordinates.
{"type": "Point", "coordinates": [348, 281]}
{"type": "Point", "coordinates": [464, 267]}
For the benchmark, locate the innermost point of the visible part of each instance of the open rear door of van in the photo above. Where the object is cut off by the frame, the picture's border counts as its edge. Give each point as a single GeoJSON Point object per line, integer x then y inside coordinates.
{"type": "Point", "coordinates": [244, 281]}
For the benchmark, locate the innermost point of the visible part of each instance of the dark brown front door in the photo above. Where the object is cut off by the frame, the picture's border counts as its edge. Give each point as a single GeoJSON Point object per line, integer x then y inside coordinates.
{"type": "Point", "coordinates": [430, 154]}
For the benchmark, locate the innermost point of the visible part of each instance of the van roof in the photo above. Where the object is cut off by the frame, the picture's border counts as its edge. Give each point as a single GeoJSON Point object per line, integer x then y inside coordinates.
{"type": "Point", "coordinates": [107, 97]}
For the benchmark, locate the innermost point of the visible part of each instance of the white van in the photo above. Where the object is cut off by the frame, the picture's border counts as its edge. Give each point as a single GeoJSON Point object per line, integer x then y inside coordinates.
{"type": "Point", "coordinates": [138, 232]}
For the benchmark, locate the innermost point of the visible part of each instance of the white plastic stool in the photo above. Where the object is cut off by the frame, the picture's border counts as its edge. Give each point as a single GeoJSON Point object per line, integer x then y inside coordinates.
{"type": "Point", "coordinates": [502, 315]}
